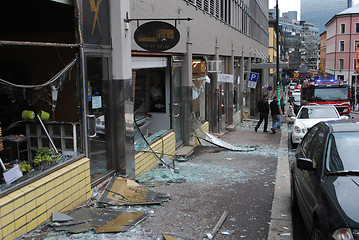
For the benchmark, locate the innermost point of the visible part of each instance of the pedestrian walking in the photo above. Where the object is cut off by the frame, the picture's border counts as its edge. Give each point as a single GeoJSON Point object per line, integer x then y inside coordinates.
{"type": "Point", "coordinates": [352, 99]}
{"type": "Point", "coordinates": [263, 109]}
{"type": "Point", "coordinates": [276, 112]}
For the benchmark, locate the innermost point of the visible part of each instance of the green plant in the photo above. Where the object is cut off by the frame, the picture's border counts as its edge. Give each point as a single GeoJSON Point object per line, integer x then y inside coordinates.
{"type": "Point", "coordinates": [25, 167]}
{"type": "Point", "coordinates": [43, 155]}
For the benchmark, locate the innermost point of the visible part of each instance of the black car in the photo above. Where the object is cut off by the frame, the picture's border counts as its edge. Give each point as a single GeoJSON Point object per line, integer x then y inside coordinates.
{"type": "Point", "coordinates": [325, 180]}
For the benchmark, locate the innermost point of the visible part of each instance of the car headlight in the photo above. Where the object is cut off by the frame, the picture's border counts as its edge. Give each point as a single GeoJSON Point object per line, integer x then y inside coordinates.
{"type": "Point", "coordinates": [345, 110]}
{"type": "Point", "coordinates": [98, 121]}
{"type": "Point", "coordinates": [343, 234]}
{"type": "Point", "coordinates": [297, 129]}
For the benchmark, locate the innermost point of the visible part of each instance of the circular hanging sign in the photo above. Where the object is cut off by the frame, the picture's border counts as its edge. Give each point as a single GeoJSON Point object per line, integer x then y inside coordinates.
{"type": "Point", "coordinates": [157, 36]}
{"type": "Point", "coordinates": [269, 88]}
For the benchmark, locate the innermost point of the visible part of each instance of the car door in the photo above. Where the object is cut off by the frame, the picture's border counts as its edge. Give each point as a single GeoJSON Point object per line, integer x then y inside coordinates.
{"type": "Point", "coordinates": [308, 182]}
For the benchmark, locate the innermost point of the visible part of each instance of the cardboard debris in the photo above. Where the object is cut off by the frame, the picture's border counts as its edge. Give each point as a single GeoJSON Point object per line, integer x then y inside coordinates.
{"type": "Point", "coordinates": [100, 220]}
{"type": "Point", "coordinates": [170, 236]}
{"type": "Point", "coordinates": [122, 192]}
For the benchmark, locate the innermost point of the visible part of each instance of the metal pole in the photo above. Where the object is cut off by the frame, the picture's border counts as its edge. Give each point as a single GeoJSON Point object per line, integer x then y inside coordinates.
{"type": "Point", "coordinates": [47, 134]}
{"type": "Point", "coordinates": [277, 32]}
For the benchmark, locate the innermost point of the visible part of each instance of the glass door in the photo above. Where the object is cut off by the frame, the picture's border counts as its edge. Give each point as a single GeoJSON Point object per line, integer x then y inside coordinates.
{"type": "Point", "coordinates": [96, 80]}
{"type": "Point", "coordinates": [176, 104]}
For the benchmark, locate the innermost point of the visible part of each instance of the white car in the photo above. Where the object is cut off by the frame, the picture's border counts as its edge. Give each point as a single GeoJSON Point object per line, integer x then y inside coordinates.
{"type": "Point", "coordinates": [308, 116]}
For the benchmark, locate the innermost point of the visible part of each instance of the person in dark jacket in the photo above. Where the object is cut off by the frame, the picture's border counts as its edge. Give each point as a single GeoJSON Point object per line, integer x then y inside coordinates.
{"type": "Point", "coordinates": [276, 112]}
{"type": "Point", "coordinates": [263, 108]}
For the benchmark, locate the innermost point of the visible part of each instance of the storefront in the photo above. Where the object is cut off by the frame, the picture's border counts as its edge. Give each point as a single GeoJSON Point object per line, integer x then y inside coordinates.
{"type": "Point", "coordinates": [55, 84]}
{"type": "Point", "coordinates": [157, 95]}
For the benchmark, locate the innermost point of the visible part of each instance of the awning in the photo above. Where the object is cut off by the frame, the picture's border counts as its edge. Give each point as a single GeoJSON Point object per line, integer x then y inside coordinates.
{"type": "Point", "coordinates": [148, 62]}
{"type": "Point", "coordinates": [269, 65]}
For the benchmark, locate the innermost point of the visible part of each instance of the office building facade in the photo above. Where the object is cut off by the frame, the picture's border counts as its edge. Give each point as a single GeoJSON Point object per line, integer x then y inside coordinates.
{"type": "Point", "coordinates": [321, 11]}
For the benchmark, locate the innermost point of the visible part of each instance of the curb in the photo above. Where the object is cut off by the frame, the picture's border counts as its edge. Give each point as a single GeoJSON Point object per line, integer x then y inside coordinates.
{"type": "Point", "coordinates": [281, 215]}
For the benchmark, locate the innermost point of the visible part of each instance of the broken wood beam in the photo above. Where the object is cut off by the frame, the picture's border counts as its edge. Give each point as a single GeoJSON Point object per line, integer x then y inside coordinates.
{"type": "Point", "coordinates": [218, 225]}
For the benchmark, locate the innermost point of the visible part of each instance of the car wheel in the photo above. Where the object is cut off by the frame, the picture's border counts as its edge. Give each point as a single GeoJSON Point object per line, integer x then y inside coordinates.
{"type": "Point", "coordinates": [316, 233]}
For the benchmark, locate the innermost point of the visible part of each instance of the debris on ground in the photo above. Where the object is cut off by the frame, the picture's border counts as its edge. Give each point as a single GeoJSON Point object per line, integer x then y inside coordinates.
{"type": "Point", "coordinates": [99, 220]}
{"type": "Point", "coordinates": [125, 192]}
{"type": "Point", "coordinates": [170, 236]}
{"type": "Point", "coordinates": [218, 225]}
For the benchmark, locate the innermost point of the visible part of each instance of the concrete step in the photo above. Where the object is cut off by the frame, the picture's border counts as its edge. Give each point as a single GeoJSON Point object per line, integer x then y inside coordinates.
{"type": "Point", "coordinates": [231, 128]}
{"type": "Point", "coordinates": [185, 151]}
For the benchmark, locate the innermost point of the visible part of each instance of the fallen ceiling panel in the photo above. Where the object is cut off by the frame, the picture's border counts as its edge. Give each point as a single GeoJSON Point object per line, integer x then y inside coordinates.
{"type": "Point", "coordinates": [123, 192]}
{"type": "Point", "coordinates": [100, 220]}
{"type": "Point", "coordinates": [220, 143]}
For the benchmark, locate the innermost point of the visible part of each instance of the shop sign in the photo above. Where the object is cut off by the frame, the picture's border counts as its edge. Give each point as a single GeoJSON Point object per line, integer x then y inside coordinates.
{"type": "Point", "coordinates": [156, 36]}
{"type": "Point", "coordinates": [227, 78]}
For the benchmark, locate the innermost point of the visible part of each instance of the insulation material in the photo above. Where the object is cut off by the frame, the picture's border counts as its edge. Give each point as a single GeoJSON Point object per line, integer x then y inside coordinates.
{"type": "Point", "coordinates": [122, 192]}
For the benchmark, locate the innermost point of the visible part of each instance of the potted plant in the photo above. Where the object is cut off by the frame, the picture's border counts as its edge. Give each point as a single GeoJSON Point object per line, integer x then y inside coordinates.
{"type": "Point", "coordinates": [25, 167]}
{"type": "Point", "coordinates": [43, 156]}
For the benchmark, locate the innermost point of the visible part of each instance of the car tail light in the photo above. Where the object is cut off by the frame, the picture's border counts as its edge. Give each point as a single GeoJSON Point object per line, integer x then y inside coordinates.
{"type": "Point", "coordinates": [343, 234]}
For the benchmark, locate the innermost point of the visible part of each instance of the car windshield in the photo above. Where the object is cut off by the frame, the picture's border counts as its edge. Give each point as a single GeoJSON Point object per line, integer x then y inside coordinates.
{"type": "Point", "coordinates": [331, 94]}
{"type": "Point", "coordinates": [342, 152]}
{"type": "Point", "coordinates": [317, 112]}
{"type": "Point", "coordinates": [296, 98]}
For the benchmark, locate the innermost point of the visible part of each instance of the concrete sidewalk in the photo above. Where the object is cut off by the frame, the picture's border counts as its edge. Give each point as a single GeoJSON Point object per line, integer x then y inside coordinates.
{"type": "Point", "coordinates": [213, 181]}
{"type": "Point", "coordinates": [281, 217]}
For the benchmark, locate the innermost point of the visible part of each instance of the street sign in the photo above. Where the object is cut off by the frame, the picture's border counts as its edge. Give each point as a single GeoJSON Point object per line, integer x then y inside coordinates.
{"type": "Point", "coordinates": [253, 78]}
{"type": "Point", "coordinates": [269, 88]}
{"type": "Point", "coordinates": [227, 78]}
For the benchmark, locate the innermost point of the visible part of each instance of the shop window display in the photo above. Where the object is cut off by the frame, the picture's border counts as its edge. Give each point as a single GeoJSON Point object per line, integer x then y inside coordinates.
{"type": "Point", "coordinates": [39, 122]}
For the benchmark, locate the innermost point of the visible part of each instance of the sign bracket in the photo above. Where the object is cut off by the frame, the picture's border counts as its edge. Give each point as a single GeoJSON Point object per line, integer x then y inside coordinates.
{"type": "Point", "coordinates": [157, 19]}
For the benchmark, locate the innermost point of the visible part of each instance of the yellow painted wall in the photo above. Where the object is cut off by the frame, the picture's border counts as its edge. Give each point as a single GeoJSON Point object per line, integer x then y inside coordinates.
{"type": "Point", "coordinates": [145, 161]}
{"type": "Point", "coordinates": [272, 47]}
{"type": "Point", "coordinates": [23, 210]}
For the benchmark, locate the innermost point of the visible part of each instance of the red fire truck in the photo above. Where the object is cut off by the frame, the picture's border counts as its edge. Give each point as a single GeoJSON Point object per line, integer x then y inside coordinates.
{"type": "Point", "coordinates": [327, 91]}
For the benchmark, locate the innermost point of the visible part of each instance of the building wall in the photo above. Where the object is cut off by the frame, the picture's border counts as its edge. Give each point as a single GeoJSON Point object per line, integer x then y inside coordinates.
{"type": "Point", "coordinates": [24, 209]}
{"type": "Point", "coordinates": [333, 49]}
{"type": "Point", "coordinates": [205, 32]}
{"type": "Point", "coordinates": [323, 47]}
{"type": "Point", "coordinates": [272, 48]}
{"type": "Point", "coordinates": [319, 12]}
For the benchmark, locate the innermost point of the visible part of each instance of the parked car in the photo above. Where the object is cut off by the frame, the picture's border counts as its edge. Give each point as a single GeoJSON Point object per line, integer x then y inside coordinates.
{"type": "Point", "coordinates": [308, 116]}
{"type": "Point", "coordinates": [295, 101]}
{"type": "Point", "coordinates": [325, 180]}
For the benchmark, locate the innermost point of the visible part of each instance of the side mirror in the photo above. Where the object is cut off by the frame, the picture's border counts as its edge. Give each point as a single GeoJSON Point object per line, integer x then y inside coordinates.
{"type": "Point", "coordinates": [305, 164]}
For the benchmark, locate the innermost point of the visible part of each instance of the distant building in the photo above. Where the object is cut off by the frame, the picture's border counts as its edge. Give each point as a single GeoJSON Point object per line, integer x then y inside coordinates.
{"type": "Point", "coordinates": [292, 15]}
{"type": "Point", "coordinates": [300, 42]}
{"type": "Point", "coordinates": [323, 50]}
{"type": "Point", "coordinates": [321, 11]}
{"type": "Point", "coordinates": [341, 42]}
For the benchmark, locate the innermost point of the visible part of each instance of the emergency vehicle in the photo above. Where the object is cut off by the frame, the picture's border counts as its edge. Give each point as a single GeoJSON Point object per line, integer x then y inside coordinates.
{"type": "Point", "coordinates": [327, 91]}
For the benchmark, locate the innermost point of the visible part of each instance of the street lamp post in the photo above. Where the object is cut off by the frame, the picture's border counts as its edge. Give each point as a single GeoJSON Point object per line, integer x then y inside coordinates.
{"type": "Point", "coordinates": [277, 43]}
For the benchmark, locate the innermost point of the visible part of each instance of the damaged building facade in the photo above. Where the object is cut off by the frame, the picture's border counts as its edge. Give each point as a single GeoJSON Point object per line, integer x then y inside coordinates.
{"type": "Point", "coordinates": [86, 81]}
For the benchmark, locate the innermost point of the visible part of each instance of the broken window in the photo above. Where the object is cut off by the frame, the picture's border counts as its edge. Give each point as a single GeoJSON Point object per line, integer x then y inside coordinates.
{"type": "Point", "coordinates": [40, 107]}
